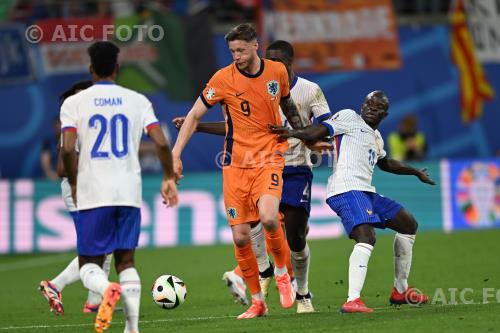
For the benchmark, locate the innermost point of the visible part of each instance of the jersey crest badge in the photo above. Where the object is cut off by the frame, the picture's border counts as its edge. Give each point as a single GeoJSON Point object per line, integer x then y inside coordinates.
{"type": "Point", "coordinates": [232, 212]}
{"type": "Point", "coordinates": [210, 93]}
{"type": "Point", "coordinates": [273, 88]}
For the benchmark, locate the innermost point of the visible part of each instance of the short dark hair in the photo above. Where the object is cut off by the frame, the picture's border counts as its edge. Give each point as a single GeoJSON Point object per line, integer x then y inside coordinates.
{"type": "Point", "coordinates": [244, 31]}
{"type": "Point", "coordinates": [80, 85]}
{"type": "Point", "coordinates": [379, 94]}
{"type": "Point", "coordinates": [103, 57]}
{"type": "Point", "coordinates": [282, 46]}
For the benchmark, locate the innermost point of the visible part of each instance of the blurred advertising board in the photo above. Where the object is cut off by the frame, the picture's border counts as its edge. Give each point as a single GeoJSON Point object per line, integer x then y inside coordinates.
{"type": "Point", "coordinates": [471, 194]}
{"type": "Point", "coordinates": [33, 217]}
{"type": "Point", "coordinates": [335, 35]}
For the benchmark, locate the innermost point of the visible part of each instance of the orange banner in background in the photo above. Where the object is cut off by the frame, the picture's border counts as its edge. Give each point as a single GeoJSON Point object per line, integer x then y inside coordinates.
{"type": "Point", "coordinates": [335, 35]}
{"type": "Point", "coordinates": [474, 87]}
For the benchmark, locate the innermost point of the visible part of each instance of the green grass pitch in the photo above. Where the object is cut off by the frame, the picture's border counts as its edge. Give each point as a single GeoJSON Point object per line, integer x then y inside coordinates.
{"type": "Point", "coordinates": [459, 260]}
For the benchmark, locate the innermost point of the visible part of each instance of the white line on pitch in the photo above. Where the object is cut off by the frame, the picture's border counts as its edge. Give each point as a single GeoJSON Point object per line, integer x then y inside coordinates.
{"type": "Point", "coordinates": [114, 322]}
{"type": "Point", "coordinates": [378, 310]}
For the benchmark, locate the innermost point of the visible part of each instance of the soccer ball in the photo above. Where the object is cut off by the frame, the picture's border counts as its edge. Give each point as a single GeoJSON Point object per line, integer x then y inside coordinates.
{"type": "Point", "coordinates": [169, 291]}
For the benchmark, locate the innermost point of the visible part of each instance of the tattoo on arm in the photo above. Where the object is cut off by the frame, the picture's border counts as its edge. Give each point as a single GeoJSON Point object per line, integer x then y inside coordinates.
{"type": "Point", "coordinates": [291, 113]}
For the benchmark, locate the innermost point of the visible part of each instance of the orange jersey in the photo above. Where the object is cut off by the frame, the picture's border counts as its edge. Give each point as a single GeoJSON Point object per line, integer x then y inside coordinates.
{"type": "Point", "coordinates": [250, 103]}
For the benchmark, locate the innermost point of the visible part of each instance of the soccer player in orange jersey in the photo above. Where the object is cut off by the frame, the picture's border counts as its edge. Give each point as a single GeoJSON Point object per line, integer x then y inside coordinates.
{"type": "Point", "coordinates": [251, 91]}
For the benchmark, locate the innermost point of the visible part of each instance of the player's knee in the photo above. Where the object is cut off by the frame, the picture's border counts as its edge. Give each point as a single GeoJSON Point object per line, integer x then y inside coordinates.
{"type": "Point", "coordinates": [296, 242]}
{"type": "Point", "coordinates": [241, 240]}
{"type": "Point", "coordinates": [364, 233]}
{"type": "Point", "coordinates": [269, 221]}
{"type": "Point", "coordinates": [121, 265]}
{"type": "Point", "coordinates": [368, 239]}
{"type": "Point", "coordinates": [410, 225]}
{"type": "Point", "coordinates": [123, 259]}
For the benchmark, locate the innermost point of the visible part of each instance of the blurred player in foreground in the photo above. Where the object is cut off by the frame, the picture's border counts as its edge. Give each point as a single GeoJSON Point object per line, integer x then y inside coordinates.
{"type": "Point", "coordinates": [52, 289]}
{"type": "Point", "coordinates": [108, 121]}
{"type": "Point", "coordinates": [359, 147]}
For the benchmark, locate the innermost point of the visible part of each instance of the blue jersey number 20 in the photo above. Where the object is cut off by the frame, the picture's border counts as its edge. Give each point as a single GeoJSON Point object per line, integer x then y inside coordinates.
{"type": "Point", "coordinates": [116, 120]}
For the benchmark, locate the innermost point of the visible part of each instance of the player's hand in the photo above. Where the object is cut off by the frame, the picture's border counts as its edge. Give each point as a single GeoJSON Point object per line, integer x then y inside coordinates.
{"type": "Point", "coordinates": [322, 147]}
{"type": "Point", "coordinates": [177, 169]}
{"type": "Point", "coordinates": [282, 131]}
{"type": "Point", "coordinates": [178, 122]}
{"type": "Point", "coordinates": [423, 175]}
{"type": "Point", "coordinates": [169, 192]}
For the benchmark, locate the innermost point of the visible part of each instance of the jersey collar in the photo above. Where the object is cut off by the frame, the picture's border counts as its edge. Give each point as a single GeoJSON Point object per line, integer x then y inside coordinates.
{"type": "Point", "coordinates": [252, 76]}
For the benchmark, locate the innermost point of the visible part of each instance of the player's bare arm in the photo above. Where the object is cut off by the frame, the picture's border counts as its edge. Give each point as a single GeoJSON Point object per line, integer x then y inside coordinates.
{"type": "Point", "coordinates": [291, 112]}
{"type": "Point", "coordinates": [399, 168]}
{"type": "Point", "coordinates": [69, 159]}
{"type": "Point", "coordinates": [60, 166]}
{"type": "Point", "coordinates": [214, 127]}
{"type": "Point", "coordinates": [322, 147]}
{"type": "Point", "coordinates": [309, 134]}
{"type": "Point", "coordinates": [188, 128]}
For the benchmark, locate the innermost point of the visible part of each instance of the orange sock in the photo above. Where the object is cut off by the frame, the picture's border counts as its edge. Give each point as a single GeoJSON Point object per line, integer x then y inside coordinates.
{"type": "Point", "coordinates": [237, 271]}
{"type": "Point", "coordinates": [286, 248]}
{"type": "Point", "coordinates": [277, 244]}
{"type": "Point", "coordinates": [248, 265]}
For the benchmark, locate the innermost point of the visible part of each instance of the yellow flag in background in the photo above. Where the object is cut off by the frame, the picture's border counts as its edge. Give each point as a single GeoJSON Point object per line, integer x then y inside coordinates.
{"type": "Point", "coordinates": [474, 87]}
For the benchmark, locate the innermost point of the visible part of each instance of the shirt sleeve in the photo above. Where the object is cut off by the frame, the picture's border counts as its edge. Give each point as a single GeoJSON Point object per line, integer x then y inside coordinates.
{"type": "Point", "coordinates": [380, 145]}
{"type": "Point", "coordinates": [284, 82]}
{"type": "Point", "coordinates": [339, 123]}
{"type": "Point", "coordinates": [214, 90]}
{"type": "Point", "coordinates": [68, 115]}
{"type": "Point", "coordinates": [319, 105]}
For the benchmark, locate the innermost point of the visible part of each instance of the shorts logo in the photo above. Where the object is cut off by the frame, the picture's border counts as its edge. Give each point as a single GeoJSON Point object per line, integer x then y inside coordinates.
{"type": "Point", "coordinates": [273, 88]}
{"type": "Point", "coordinates": [369, 211]}
{"type": "Point", "coordinates": [210, 93]}
{"type": "Point", "coordinates": [232, 212]}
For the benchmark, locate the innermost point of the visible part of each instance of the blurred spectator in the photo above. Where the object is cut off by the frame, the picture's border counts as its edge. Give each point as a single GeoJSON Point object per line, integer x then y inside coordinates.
{"type": "Point", "coordinates": [407, 144]}
{"type": "Point", "coordinates": [48, 157]}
